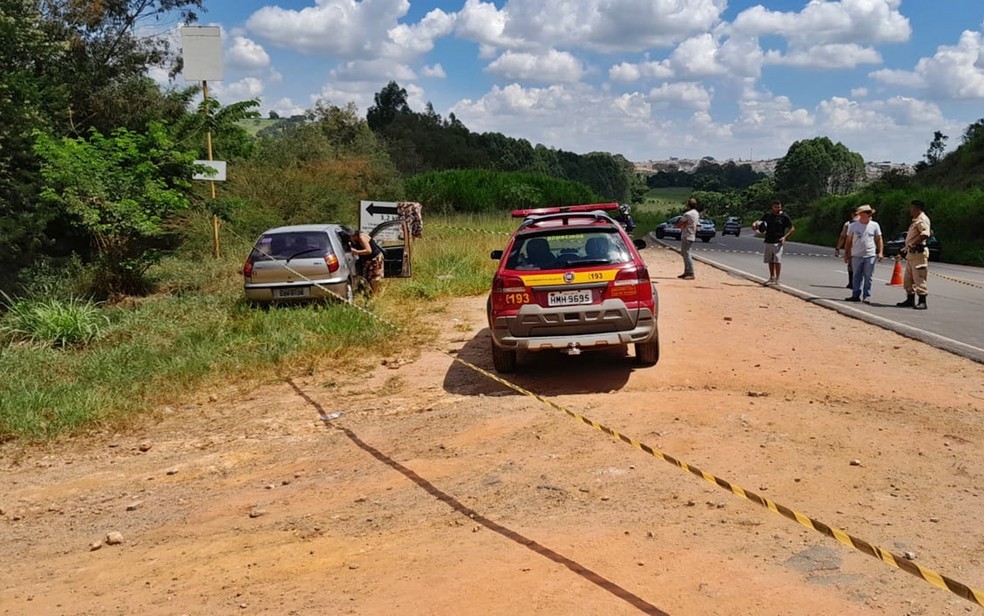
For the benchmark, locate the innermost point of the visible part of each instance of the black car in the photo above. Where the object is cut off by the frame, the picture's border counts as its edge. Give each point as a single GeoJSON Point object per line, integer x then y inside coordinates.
{"type": "Point", "coordinates": [895, 244]}
{"type": "Point", "coordinates": [705, 229]}
{"type": "Point", "coordinates": [732, 226]}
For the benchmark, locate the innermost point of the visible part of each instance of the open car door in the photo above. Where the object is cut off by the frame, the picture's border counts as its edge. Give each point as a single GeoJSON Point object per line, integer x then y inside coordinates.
{"type": "Point", "coordinates": [393, 237]}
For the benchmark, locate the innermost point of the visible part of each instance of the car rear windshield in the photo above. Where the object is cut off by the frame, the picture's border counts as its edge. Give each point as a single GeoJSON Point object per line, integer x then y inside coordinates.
{"type": "Point", "coordinates": [568, 248]}
{"type": "Point", "coordinates": [283, 246]}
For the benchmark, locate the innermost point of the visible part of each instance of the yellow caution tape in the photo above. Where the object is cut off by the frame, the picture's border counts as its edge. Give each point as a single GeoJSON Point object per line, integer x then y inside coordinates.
{"type": "Point", "coordinates": [936, 579]}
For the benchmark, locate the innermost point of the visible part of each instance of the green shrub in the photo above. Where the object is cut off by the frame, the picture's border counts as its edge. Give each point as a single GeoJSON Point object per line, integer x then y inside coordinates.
{"type": "Point", "coordinates": [52, 321]}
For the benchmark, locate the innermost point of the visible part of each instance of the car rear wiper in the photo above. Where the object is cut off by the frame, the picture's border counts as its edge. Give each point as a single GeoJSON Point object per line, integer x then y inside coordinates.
{"type": "Point", "coordinates": [297, 254]}
{"type": "Point", "coordinates": [592, 262]}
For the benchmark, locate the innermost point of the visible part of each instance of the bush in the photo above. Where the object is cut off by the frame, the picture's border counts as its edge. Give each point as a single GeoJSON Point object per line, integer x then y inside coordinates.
{"type": "Point", "coordinates": [52, 321]}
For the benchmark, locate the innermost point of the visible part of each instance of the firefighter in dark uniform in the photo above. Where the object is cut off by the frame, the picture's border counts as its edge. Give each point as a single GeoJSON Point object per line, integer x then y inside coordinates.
{"type": "Point", "coordinates": [916, 254]}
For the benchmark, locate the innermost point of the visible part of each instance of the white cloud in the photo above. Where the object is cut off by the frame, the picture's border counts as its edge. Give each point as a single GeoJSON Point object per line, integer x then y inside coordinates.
{"type": "Point", "coordinates": [350, 30]}
{"type": "Point", "coordinates": [379, 69]}
{"type": "Point", "coordinates": [762, 114]}
{"type": "Point", "coordinates": [831, 56]}
{"type": "Point", "coordinates": [436, 71]}
{"type": "Point", "coordinates": [859, 92]}
{"type": "Point", "coordinates": [827, 34]}
{"type": "Point", "coordinates": [416, 39]}
{"type": "Point", "coordinates": [627, 72]}
{"type": "Point", "coordinates": [824, 22]}
{"type": "Point", "coordinates": [552, 67]}
{"type": "Point", "coordinates": [286, 108]}
{"type": "Point", "coordinates": [687, 94]}
{"type": "Point", "coordinates": [953, 72]}
{"type": "Point", "coordinates": [606, 25]}
{"type": "Point", "coordinates": [244, 89]}
{"type": "Point", "coordinates": [246, 55]}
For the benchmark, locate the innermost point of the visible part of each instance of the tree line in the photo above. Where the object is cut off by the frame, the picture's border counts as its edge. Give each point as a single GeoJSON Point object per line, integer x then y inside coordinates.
{"type": "Point", "coordinates": [96, 159]}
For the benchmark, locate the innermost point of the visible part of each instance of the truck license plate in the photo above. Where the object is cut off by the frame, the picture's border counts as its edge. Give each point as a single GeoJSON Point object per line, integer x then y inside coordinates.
{"type": "Point", "coordinates": [569, 298]}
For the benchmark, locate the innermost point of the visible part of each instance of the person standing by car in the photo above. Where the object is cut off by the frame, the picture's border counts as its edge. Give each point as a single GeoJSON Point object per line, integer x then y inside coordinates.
{"type": "Point", "coordinates": [777, 227]}
{"type": "Point", "coordinates": [688, 235]}
{"type": "Point", "coordinates": [370, 258]}
{"type": "Point", "coordinates": [916, 255]}
{"type": "Point", "coordinates": [863, 246]}
{"type": "Point", "coordinates": [841, 241]}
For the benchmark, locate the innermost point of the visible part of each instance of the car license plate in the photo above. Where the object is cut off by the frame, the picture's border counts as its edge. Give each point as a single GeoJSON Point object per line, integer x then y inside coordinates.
{"type": "Point", "coordinates": [293, 292]}
{"type": "Point", "coordinates": [569, 298]}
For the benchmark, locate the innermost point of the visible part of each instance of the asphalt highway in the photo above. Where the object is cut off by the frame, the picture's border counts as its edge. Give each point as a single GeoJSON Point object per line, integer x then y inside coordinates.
{"type": "Point", "coordinates": [954, 320]}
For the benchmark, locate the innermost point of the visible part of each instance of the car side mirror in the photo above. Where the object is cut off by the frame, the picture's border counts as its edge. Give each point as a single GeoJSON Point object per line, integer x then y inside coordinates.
{"type": "Point", "coordinates": [639, 243]}
{"type": "Point", "coordinates": [496, 255]}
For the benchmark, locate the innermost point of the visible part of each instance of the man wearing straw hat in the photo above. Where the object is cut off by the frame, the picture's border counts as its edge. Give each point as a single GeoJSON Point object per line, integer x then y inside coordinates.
{"type": "Point", "coordinates": [864, 245]}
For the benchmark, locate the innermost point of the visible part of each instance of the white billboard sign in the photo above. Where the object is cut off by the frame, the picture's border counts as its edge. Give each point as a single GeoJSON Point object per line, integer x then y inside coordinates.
{"type": "Point", "coordinates": [201, 49]}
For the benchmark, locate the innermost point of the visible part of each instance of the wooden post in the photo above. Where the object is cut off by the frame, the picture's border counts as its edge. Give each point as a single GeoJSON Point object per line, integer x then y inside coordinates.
{"type": "Point", "coordinates": [208, 141]}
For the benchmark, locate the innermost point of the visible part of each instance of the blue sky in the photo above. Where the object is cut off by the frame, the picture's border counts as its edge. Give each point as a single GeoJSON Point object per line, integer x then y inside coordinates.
{"type": "Point", "coordinates": [648, 79]}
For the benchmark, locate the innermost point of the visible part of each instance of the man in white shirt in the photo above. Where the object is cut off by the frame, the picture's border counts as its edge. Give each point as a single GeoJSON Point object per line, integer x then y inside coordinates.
{"type": "Point", "coordinates": [688, 225]}
{"type": "Point", "coordinates": [864, 245]}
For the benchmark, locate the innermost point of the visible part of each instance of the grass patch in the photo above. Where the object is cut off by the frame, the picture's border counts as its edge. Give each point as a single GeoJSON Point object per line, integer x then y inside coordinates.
{"type": "Point", "coordinates": [452, 259]}
{"type": "Point", "coordinates": [198, 331]}
{"type": "Point", "coordinates": [163, 348]}
{"type": "Point", "coordinates": [52, 321]}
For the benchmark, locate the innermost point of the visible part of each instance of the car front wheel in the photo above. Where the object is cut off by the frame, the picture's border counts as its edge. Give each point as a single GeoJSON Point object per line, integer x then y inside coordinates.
{"type": "Point", "coordinates": [647, 353]}
{"type": "Point", "coordinates": [659, 234]}
{"type": "Point", "coordinates": [705, 239]}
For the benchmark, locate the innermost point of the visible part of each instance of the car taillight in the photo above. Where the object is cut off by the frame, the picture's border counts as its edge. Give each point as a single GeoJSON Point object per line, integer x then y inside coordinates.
{"type": "Point", "coordinates": [331, 261]}
{"type": "Point", "coordinates": [509, 292]}
{"type": "Point", "coordinates": [248, 268]}
{"type": "Point", "coordinates": [632, 282]}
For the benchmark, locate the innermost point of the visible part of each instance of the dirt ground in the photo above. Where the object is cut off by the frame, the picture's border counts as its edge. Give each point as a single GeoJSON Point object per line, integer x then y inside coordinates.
{"type": "Point", "coordinates": [439, 491]}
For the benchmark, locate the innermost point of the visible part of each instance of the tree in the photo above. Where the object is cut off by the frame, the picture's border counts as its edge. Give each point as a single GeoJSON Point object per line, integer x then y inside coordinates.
{"type": "Point", "coordinates": [230, 141]}
{"type": "Point", "coordinates": [936, 148]}
{"type": "Point", "coordinates": [816, 167]}
{"type": "Point", "coordinates": [103, 52]}
{"type": "Point", "coordinates": [120, 191]}
{"type": "Point", "coordinates": [274, 115]}
{"type": "Point", "coordinates": [391, 101]}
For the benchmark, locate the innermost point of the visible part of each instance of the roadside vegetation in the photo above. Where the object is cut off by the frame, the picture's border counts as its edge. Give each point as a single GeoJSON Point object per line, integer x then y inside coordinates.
{"type": "Point", "coordinates": [112, 304]}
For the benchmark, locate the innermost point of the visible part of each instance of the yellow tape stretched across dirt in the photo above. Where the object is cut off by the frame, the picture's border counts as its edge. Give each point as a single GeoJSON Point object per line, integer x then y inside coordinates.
{"type": "Point", "coordinates": [929, 575]}
{"type": "Point", "coordinates": [936, 579]}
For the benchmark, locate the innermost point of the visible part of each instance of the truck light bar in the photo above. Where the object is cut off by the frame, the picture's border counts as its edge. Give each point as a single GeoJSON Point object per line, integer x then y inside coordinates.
{"type": "Point", "coordinates": [564, 209]}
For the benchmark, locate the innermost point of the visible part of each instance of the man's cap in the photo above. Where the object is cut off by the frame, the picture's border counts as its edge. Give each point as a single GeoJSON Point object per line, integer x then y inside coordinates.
{"type": "Point", "coordinates": [919, 204]}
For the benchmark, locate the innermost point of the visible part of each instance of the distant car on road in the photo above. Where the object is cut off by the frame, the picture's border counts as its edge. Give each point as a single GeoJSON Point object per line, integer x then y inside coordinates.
{"type": "Point", "coordinates": [705, 230]}
{"type": "Point", "coordinates": [895, 244]}
{"type": "Point", "coordinates": [732, 226]}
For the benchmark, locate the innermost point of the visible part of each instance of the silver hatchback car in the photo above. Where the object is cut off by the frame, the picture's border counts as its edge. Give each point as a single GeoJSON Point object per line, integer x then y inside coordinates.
{"type": "Point", "coordinates": [302, 262]}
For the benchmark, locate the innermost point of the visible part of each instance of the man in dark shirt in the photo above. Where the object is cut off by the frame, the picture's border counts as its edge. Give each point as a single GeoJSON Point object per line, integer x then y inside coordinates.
{"type": "Point", "coordinates": [776, 226]}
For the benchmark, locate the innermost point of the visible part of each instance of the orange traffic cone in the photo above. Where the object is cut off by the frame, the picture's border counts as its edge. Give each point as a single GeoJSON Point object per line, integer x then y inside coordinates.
{"type": "Point", "coordinates": [896, 274]}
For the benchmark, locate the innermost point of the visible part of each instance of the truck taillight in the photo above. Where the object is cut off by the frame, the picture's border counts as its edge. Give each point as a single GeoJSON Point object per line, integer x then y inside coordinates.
{"type": "Point", "coordinates": [331, 261]}
{"type": "Point", "coordinates": [248, 268]}
{"type": "Point", "coordinates": [632, 282]}
{"type": "Point", "coordinates": [509, 292]}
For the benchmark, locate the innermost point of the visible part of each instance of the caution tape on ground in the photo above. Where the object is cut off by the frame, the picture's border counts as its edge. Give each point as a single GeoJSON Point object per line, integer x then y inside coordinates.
{"type": "Point", "coordinates": [468, 230]}
{"type": "Point", "coordinates": [957, 280]}
{"type": "Point", "coordinates": [936, 579]}
{"type": "Point", "coordinates": [929, 575]}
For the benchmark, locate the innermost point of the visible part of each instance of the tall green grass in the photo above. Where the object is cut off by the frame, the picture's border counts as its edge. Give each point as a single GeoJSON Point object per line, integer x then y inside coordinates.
{"type": "Point", "coordinates": [51, 321]}
{"type": "Point", "coordinates": [453, 258]}
{"type": "Point", "coordinates": [198, 331]}
{"type": "Point", "coordinates": [162, 349]}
